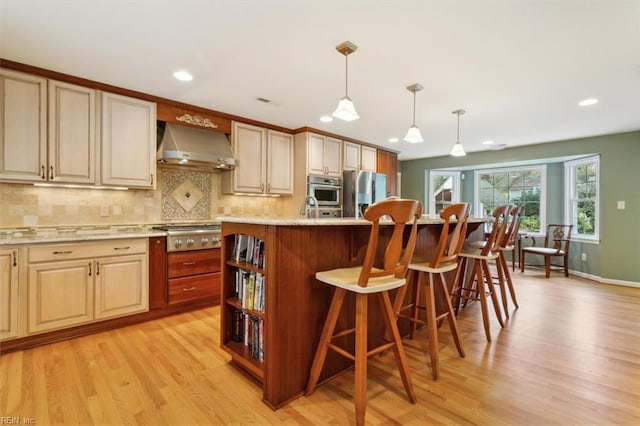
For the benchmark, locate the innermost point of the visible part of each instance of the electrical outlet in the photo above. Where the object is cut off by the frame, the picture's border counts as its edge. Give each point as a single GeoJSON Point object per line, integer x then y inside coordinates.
{"type": "Point", "coordinates": [584, 257]}
{"type": "Point", "coordinates": [104, 211]}
{"type": "Point", "coordinates": [621, 205]}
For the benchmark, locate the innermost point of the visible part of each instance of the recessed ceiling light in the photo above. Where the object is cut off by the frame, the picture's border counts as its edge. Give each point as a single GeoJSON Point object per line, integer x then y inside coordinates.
{"type": "Point", "coordinates": [182, 76]}
{"type": "Point", "coordinates": [393, 140]}
{"type": "Point", "coordinates": [587, 102]}
{"type": "Point", "coordinates": [326, 119]}
{"type": "Point", "coordinates": [487, 142]}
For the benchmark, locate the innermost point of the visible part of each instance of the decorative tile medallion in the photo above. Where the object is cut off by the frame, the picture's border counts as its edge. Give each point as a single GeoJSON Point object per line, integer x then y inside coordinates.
{"type": "Point", "coordinates": [186, 194]}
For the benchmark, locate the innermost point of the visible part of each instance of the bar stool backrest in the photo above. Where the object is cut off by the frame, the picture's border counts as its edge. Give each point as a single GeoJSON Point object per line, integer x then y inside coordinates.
{"type": "Point", "coordinates": [492, 244]}
{"type": "Point", "coordinates": [513, 228]}
{"type": "Point", "coordinates": [398, 253]}
{"type": "Point", "coordinates": [450, 244]}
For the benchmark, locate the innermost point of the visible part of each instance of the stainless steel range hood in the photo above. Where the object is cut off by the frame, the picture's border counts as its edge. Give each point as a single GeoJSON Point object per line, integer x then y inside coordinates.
{"type": "Point", "coordinates": [195, 148]}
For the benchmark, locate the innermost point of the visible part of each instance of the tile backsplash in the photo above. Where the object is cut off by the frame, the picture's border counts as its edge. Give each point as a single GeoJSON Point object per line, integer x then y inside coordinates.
{"type": "Point", "coordinates": [26, 205]}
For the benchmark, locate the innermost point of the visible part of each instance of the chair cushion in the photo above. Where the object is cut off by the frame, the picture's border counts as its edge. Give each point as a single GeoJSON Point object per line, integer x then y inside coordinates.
{"type": "Point", "coordinates": [347, 278]}
{"type": "Point", "coordinates": [543, 250]}
{"type": "Point", "coordinates": [426, 267]}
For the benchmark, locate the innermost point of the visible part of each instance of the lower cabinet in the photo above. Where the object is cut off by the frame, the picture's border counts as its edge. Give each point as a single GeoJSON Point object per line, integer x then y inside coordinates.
{"type": "Point", "coordinates": [77, 283]}
{"type": "Point", "coordinates": [9, 293]}
{"type": "Point", "coordinates": [194, 275]}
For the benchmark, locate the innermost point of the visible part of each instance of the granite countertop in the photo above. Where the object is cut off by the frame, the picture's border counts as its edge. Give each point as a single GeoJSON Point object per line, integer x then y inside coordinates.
{"type": "Point", "coordinates": [12, 236]}
{"type": "Point", "coordinates": [302, 221]}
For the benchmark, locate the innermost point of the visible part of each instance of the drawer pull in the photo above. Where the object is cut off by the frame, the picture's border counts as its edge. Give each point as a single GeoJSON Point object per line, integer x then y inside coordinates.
{"type": "Point", "coordinates": [189, 289]}
{"type": "Point", "coordinates": [188, 263]}
{"type": "Point", "coordinates": [63, 252]}
{"type": "Point", "coordinates": [122, 248]}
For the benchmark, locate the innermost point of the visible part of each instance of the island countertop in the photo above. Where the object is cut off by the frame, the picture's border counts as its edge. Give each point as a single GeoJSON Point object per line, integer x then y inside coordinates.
{"type": "Point", "coordinates": [340, 221]}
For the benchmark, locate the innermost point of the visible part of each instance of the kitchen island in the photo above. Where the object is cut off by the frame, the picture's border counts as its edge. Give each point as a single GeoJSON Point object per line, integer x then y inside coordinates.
{"type": "Point", "coordinates": [275, 339]}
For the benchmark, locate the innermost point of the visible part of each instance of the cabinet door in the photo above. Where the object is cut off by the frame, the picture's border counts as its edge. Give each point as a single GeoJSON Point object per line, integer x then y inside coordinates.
{"type": "Point", "coordinates": [8, 293]}
{"type": "Point", "coordinates": [279, 163]}
{"type": "Point", "coordinates": [369, 158]}
{"type": "Point", "coordinates": [249, 143]}
{"type": "Point", "coordinates": [388, 164]}
{"type": "Point", "coordinates": [350, 156]}
{"type": "Point", "coordinates": [315, 154]}
{"type": "Point", "coordinates": [333, 157]}
{"type": "Point", "coordinates": [23, 127]}
{"type": "Point", "coordinates": [122, 286]}
{"type": "Point", "coordinates": [128, 154]}
{"type": "Point", "coordinates": [60, 294]}
{"type": "Point", "coordinates": [72, 141]}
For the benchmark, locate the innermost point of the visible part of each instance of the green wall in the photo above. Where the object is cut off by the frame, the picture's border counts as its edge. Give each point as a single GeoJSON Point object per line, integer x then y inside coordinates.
{"type": "Point", "coordinates": [617, 257]}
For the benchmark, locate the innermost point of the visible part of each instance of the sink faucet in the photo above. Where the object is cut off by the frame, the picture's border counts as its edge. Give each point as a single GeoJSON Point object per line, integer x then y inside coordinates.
{"type": "Point", "coordinates": [305, 204]}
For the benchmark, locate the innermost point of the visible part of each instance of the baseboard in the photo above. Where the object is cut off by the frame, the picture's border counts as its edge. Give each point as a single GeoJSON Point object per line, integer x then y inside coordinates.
{"type": "Point", "coordinates": [604, 280]}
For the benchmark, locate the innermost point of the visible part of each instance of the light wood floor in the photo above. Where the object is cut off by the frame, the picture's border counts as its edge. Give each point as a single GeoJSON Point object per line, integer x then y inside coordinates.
{"type": "Point", "coordinates": [570, 355]}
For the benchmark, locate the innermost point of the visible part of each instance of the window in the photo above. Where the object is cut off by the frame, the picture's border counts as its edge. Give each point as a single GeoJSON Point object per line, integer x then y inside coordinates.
{"type": "Point", "coordinates": [522, 186]}
{"type": "Point", "coordinates": [582, 179]}
{"type": "Point", "coordinates": [444, 189]}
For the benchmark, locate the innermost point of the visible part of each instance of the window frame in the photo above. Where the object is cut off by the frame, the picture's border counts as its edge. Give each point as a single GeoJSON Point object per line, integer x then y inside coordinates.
{"type": "Point", "coordinates": [570, 204]}
{"type": "Point", "coordinates": [455, 191]}
{"type": "Point", "coordinates": [541, 168]}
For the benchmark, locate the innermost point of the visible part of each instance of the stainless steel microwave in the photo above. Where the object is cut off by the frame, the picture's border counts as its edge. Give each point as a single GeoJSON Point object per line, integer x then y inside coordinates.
{"type": "Point", "coordinates": [327, 190]}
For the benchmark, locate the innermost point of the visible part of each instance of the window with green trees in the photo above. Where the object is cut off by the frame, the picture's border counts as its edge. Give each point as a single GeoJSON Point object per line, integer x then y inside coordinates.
{"type": "Point", "coordinates": [523, 186]}
{"type": "Point", "coordinates": [582, 201]}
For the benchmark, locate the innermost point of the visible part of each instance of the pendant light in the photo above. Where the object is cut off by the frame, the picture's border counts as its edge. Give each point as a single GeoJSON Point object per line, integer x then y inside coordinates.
{"type": "Point", "coordinates": [413, 135]}
{"type": "Point", "coordinates": [458, 150]}
{"type": "Point", "coordinates": [346, 110]}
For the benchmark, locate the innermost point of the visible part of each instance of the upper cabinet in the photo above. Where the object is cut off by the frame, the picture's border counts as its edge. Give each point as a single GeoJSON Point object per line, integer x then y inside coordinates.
{"type": "Point", "coordinates": [72, 134]}
{"type": "Point", "coordinates": [368, 161]}
{"type": "Point", "coordinates": [324, 155]}
{"type": "Point", "coordinates": [70, 148]}
{"type": "Point", "coordinates": [388, 164]}
{"type": "Point", "coordinates": [350, 156]}
{"type": "Point", "coordinates": [265, 161]}
{"type": "Point", "coordinates": [358, 157]}
{"type": "Point", "coordinates": [128, 150]}
{"type": "Point", "coordinates": [23, 127]}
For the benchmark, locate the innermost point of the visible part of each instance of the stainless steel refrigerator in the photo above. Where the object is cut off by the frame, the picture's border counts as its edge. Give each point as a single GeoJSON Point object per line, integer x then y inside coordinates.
{"type": "Point", "coordinates": [360, 189]}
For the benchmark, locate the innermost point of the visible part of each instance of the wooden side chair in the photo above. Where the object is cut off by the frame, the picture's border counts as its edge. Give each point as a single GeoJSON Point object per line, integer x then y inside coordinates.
{"type": "Point", "coordinates": [431, 280]}
{"type": "Point", "coordinates": [371, 281]}
{"type": "Point", "coordinates": [480, 282]}
{"type": "Point", "coordinates": [556, 245]}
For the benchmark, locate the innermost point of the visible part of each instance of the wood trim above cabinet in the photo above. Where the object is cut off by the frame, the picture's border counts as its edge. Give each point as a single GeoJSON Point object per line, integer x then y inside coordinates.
{"type": "Point", "coordinates": [175, 114]}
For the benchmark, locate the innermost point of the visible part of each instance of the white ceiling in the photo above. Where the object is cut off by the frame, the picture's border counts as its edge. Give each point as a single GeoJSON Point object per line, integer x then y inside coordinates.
{"type": "Point", "coordinates": [518, 67]}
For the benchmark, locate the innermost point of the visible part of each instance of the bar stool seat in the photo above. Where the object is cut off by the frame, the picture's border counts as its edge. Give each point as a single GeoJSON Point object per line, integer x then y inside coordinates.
{"type": "Point", "coordinates": [371, 281]}
{"type": "Point", "coordinates": [432, 280]}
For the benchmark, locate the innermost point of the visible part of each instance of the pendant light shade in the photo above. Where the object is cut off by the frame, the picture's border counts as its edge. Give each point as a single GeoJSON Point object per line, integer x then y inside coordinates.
{"type": "Point", "coordinates": [346, 110]}
{"type": "Point", "coordinates": [413, 134]}
{"type": "Point", "coordinates": [458, 149]}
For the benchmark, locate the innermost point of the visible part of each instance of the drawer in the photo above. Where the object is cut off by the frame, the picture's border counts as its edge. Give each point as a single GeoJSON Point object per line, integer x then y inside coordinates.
{"type": "Point", "coordinates": [183, 263]}
{"type": "Point", "coordinates": [69, 251]}
{"type": "Point", "coordinates": [196, 287]}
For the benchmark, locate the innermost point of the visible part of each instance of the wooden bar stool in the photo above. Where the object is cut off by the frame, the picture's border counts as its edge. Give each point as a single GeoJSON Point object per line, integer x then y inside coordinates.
{"type": "Point", "coordinates": [365, 281]}
{"type": "Point", "coordinates": [508, 245]}
{"type": "Point", "coordinates": [480, 282]}
{"type": "Point", "coordinates": [444, 260]}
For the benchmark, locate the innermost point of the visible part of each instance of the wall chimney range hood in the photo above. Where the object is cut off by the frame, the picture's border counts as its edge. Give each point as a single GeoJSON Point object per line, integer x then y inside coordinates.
{"type": "Point", "coordinates": [195, 148]}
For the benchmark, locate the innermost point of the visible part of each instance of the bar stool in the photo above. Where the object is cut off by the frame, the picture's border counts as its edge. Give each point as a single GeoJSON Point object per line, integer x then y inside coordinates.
{"type": "Point", "coordinates": [365, 281]}
{"type": "Point", "coordinates": [508, 245]}
{"type": "Point", "coordinates": [480, 282]}
{"type": "Point", "coordinates": [444, 260]}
